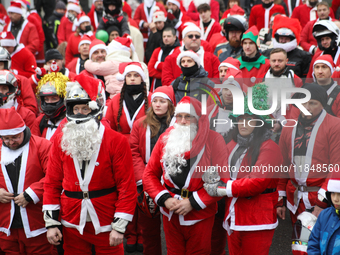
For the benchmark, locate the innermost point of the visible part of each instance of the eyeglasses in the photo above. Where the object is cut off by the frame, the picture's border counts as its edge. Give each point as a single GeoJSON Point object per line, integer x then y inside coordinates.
{"type": "Point", "coordinates": [186, 117]}
{"type": "Point", "coordinates": [13, 139]}
{"type": "Point", "coordinates": [192, 36]}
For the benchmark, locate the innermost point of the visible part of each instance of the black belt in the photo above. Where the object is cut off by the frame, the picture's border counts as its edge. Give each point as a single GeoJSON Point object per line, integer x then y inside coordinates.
{"type": "Point", "coordinates": [184, 193]}
{"type": "Point", "coordinates": [266, 191]}
{"type": "Point", "coordinates": [89, 194]}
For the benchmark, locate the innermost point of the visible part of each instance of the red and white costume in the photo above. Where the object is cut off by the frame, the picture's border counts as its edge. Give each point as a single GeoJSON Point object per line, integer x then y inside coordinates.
{"type": "Point", "coordinates": [193, 13]}
{"type": "Point", "coordinates": [216, 39]}
{"type": "Point", "coordinates": [66, 27]}
{"type": "Point", "coordinates": [48, 132]}
{"type": "Point", "coordinates": [289, 5]}
{"type": "Point", "coordinates": [260, 17]}
{"type": "Point", "coordinates": [22, 61]}
{"type": "Point", "coordinates": [322, 149]}
{"type": "Point", "coordinates": [319, 53]}
{"type": "Point", "coordinates": [27, 95]}
{"type": "Point", "coordinates": [214, 27]}
{"type": "Point", "coordinates": [35, 19]}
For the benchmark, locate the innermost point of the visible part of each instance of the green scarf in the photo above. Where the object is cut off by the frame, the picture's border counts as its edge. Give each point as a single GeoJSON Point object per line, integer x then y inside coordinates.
{"type": "Point", "coordinates": [250, 65]}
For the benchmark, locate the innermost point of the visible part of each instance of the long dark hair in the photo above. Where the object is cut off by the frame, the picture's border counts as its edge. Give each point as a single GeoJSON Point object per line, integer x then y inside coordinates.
{"type": "Point", "coordinates": [255, 144]}
{"type": "Point", "coordinates": [146, 103]}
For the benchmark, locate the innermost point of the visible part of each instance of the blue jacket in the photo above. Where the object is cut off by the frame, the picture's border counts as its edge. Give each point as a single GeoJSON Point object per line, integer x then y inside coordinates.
{"type": "Point", "coordinates": [325, 236]}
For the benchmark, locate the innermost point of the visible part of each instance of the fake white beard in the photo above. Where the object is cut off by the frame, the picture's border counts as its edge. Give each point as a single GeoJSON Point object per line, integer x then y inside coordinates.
{"type": "Point", "coordinates": [82, 140]}
{"type": "Point", "coordinates": [289, 46]}
{"type": "Point", "coordinates": [177, 142]}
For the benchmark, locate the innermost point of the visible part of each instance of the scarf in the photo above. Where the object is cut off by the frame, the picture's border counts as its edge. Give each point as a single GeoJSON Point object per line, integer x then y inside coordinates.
{"type": "Point", "coordinates": [131, 103]}
{"type": "Point", "coordinates": [249, 63]}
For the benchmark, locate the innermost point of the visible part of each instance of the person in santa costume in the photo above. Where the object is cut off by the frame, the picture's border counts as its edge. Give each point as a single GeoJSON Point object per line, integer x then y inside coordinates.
{"type": "Point", "coordinates": [144, 136]}
{"type": "Point", "coordinates": [252, 62]}
{"type": "Point", "coordinates": [193, 81]}
{"type": "Point", "coordinates": [22, 58]}
{"type": "Point", "coordinates": [67, 23]}
{"type": "Point", "coordinates": [323, 70]}
{"type": "Point", "coordinates": [92, 165]}
{"type": "Point", "coordinates": [77, 64]}
{"type": "Point", "coordinates": [121, 50]}
{"type": "Point", "coordinates": [10, 97]}
{"type": "Point", "coordinates": [208, 25]}
{"type": "Point", "coordinates": [155, 66]}
{"type": "Point", "coordinates": [308, 12]}
{"type": "Point", "coordinates": [27, 94]}
{"type": "Point", "coordinates": [96, 13]}
{"type": "Point", "coordinates": [286, 35]}
{"type": "Point", "coordinates": [194, 14]}
{"type": "Point", "coordinates": [24, 160]}
{"type": "Point", "coordinates": [302, 187]}
{"type": "Point", "coordinates": [23, 31]}
{"type": "Point", "coordinates": [234, 27]}
{"type": "Point", "coordinates": [191, 41]}
{"type": "Point", "coordinates": [51, 91]}
{"type": "Point", "coordinates": [308, 41]}
{"type": "Point", "coordinates": [260, 14]}
{"type": "Point", "coordinates": [326, 34]}
{"type": "Point", "coordinates": [252, 148]}
{"type": "Point", "coordinates": [84, 29]}
{"type": "Point", "coordinates": [172, 182]}
{"type": "Point", "coordinates": [143, 16]}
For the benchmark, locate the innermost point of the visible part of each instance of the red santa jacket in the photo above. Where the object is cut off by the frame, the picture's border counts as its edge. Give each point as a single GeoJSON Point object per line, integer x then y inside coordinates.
{"type": "Point", "coordinates": [208, 156]}
{"type": "Point", "coordinates": [182, 19]}
{"type": "Point", "coordinates": [260, 17]}
{"type": "Point", "coordinates": [217, 39]}
{"type": "Point", "coordinates": [141, 15]}
{"type": "Point", "coordinates": [72, 47]}
{"type": "Point", "coordinates": [304, 13]}
{"type": "Point", "coordinates": [214, 27]}
{"type": "Point", "coordinates": [31, 179]}
{"type": "Point", "coordinates": [27, 115]}
{"type": "Point", "coordinates": [110, 166]}
{"type": "Point", "coordinates": [27, 35]}
{"type": "Point", "coordinates": [93, 17]}
{"type": "Point", "coordinates": [194, 15]}
{"type": "Point", "coordinates": [64, 30]}
{"type": "Point", "coordinates": [126, 121]}
{"type": "Point", "coordinates": [322, 153]}
{"type": "Point", "coordinates": [47, 132]}
{"type": "Point", "coordinates": [319, 53]}
{"type": "Point", "coordinates": [35, 19]}
{"type": "Point", "coordinates": [74, 65]}
{"type": "Point", "coordinates": [246, 187]}
{"type": "Point", "coordinates": [171, 70]}
{"type": "Point", "coordinates": [289, 6]}
{"type": "Point", "coordinates": [27, 96]}
{"type": "Point", "coordinates": [22, 61]}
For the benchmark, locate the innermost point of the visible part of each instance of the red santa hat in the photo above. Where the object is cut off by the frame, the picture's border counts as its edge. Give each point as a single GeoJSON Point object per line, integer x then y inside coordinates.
{"type": "Point", "coordinates": [175, 2]}
{"type": "Point", "coordinates": [188, 53]}
{"type": "Point", "coordinates": [230, 63]}
{"type": "Point", "coordinates": [96, 44]}
{"type": "Point", "coordinates": [236, 10]}
{"type": "Point", "coordinates": [190, 28]}
{"type": "Point", "coordinates": [82, 18]}
{"type": "Point", "coordinates": [11, 122]}
{"type": "Point", "coordinates": [7, 39]}
{"type": "Point", "coordinates": [289, 23]}
{"type": "Point", "coordinates": [126, 67]}
{"type": "Point", "coordinates": [189, 106]}
{"type": "Point", "coordinates": [73, 6]}
{"type": "Point", "coordinates": [158, 16]}
{"type": "Point", "coordinates": [334, 184]}
{"type": "Point", "coordinates": [15, 7]}
{"type": "Point", "coordinates": [233, 77]}
{"type": "Point", "coordinates": [90, 85]}
{"type": "Point", "coordinates": [166, 92]}
{"type": "Point", "coordinates": [327, 60]}
{"type": "Point", "coordinates": [121, 43]}
{"type": "Point", "coordinates": [83, 40]}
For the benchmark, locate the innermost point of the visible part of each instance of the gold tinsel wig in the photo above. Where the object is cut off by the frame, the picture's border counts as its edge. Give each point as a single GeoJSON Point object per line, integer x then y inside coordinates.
{"type": "Point", "coordinates": [57, 79]}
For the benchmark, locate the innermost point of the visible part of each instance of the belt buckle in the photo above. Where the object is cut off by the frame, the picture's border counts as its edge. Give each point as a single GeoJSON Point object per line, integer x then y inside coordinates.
{"type": "Point", "coordinates": [184, 193]}
{"type": "Point", "coordinates": [303, 188]}
{"type": "Point", "coordinates": [85, 194]}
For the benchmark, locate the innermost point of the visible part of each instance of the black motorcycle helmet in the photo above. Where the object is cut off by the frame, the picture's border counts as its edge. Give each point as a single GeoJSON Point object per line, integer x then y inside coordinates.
{"type": "Point", "coordinates": [235, 23]}
{"type": "Point", "coordinates": [117, 3]}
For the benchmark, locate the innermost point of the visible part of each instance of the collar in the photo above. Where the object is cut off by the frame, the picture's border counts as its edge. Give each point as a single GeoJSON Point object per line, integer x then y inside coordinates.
{"type": "Point", "coordinates": [249, 63]}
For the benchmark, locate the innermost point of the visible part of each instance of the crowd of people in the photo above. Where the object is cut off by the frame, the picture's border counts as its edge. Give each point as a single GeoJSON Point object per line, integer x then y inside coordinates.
{"type": "Point", "coordinates": [120, 120]}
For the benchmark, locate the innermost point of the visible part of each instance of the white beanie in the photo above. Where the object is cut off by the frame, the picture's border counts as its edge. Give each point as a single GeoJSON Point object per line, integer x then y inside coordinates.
{"type": "Point", "coordinates": [188, 53]}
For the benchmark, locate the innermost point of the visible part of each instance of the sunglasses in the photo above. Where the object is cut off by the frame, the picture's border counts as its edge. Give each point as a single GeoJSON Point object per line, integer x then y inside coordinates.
{"type": "Point", "coordinates": [192, 36]}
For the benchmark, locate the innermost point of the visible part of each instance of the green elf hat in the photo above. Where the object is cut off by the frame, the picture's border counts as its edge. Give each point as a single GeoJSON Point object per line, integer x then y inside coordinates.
{"type": "Point", "coordinates": [252, 34]}
{"type": "Point", "coordinates": [260, 98]}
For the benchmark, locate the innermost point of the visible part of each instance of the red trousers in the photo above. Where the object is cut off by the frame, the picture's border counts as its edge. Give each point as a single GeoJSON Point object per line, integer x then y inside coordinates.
{"type": "Point", "coordinates": [189, 240]}
{"type": "Point", "coordinates": [18, 244]}
{"type": "Point", "coordinates": [133, 233]}
{"type": "Point", "coordinates": [151, 233]}
{"type": "Point", "coordinates": [77, 244]}
{"type": "Point", "coordinates": [250, 242]}
{"type": "Point", "coordinates": [218, 237]}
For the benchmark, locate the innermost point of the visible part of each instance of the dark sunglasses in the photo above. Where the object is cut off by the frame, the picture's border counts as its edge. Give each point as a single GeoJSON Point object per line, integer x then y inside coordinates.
{"type": "Point", "coordinates": [192, 36]}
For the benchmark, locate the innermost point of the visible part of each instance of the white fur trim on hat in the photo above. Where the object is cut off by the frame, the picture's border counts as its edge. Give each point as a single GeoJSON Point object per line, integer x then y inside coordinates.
{"type": "Point", "coordinates": [320, 61]}
{"type": "Point", "coordinates": [190, 54]}
{"type": "Point", "coordinates": [15, 10]}
{"type": "Point", "coordinates": [83, 42]}
{"type": "Point", "coordinates": [190, 28]}
{"type": "Point", "coordinates": [175, 2]}
{"type": "Point", "coordinates": [97, 47]}
{"type": "Point", "coordinates": [84, 19]}
{"type": "Point", "coordinates": [162, 95]}
{"type": "Point", "coordinates": [13, 131]}
{"type": "Point", "coordinates": [186, 108]}
{"type": "Point", "coordinates": [73, 7]}
{"type": "Point", "coordinates": [131, 68]}
{"type": "Point", "coordinates": [160, 16]}
{"type": "Point", "coordinates": [8, 42]}
{"type": "Point", "coordinates": [228, 65]}
{"type": "Point", "coordinates": [333, 185]}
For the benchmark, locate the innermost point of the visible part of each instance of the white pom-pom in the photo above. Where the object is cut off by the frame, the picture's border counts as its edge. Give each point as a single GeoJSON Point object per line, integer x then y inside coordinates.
{"type": "Point", "coordinates": [93, 105]}
{"type": "Point", "coordinates": [120, 77]}
{"type": "Point", "coordinates": [38, 71]}
{"type": "Point", "coordinates": [337, 69]}
{"type": "Point", "coordinates": [252, 79]}
{"type": "Point", "coordinates": [231, 78]}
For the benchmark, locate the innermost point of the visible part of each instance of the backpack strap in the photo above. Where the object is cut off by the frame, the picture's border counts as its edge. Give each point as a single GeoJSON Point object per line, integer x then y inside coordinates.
{"type": "Point", "coordinates": [331, 98]}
